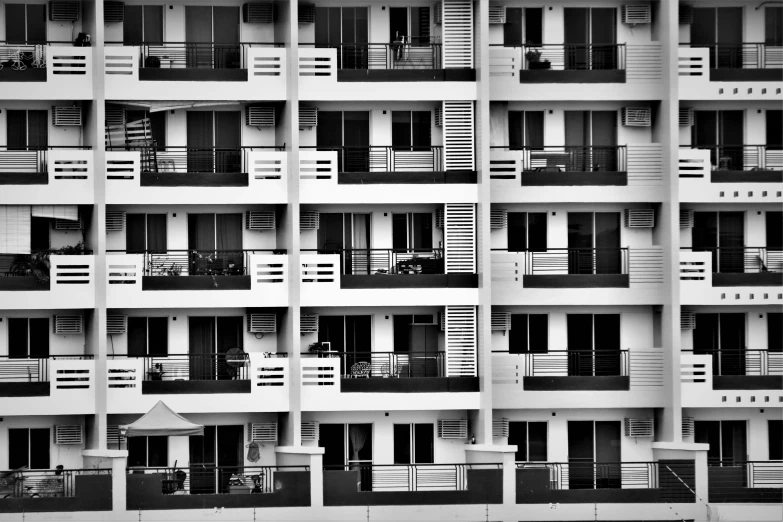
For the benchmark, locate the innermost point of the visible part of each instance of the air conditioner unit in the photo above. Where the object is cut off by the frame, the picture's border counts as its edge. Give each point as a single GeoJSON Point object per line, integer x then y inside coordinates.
{"type": "Point", "coordinates": [308, 323]}
{"type": "Point", "coordinates": [68, 224]}
{"type": "Point", "coordinates": [115, 220]}
{"type": "Point", "coordinates": [306, 14]}
{"type": "Point", "coordinates": [260, 116]}
{"type": "Point", "coordinates": [685, 14]}
{"type": "Point", "coordinates": [687, 319]}
{"type": "Point", "coordinates": [636, 117]}
{"type": "Point", "coordinates": [439, 116]}
{"type": "Point", "coordinates": [60, 11]}
{"type": "Point", "coordinates": [639, 218]}
{"type": "Point", "coordinates": [452, 428]}
{"type": "Point", "coordinates": [309, 220]}
{"type": "Point", "coordinates": [439, 219]}
{"type": "Point", "coordinates": [262, 432]}
{"type": "Point", "coordinates": [636, 14]}
{"type": "Point", "coordinates": [67, 116]}
{"type": "Point", "coordinates": [639, 427]}
{"type": "Point", "coordinates": [498, 218]}
{"type": "Point", "coordinates": [501, 321]}
{"type": "Point", "coordinates": [686, 218]}
{"type": "Point", "coordinates": [69, 435]}
{"type": "Point", "coordinates": [113, 12]}
{"type": "Point", "coordinates": [688, 427]}
{"type": "Point", "coordinates": [310, 430]}
{"type": "Point", "coordinates": [308, 116]}
{"type": "Point", "coordinates": [437, 13]}
{"type": "Point", "coordinates": [114, 116]}
{"type": "Point", "coordinates": [258, 13]}
{"type": "Point", "coordinates": [497, 14]}
{"type": "Point", "coordinates": [261, 323]}
{"type": "Point", "coordinates": [260, 220]}
{"type": "Point", "coordinates": [500, 427]}
{"type": "Point", "coordinates": [687, 117]}
{"type": "Point", "coordinates": [116, 324]}
{"type": "Point", "coordinates": [68, 324]}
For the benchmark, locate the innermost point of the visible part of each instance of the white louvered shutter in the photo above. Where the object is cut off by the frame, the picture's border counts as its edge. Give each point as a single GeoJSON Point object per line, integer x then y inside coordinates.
{"type": "Point", "coordinates": [461, 341]}
{"type": "Point", "coordinates": [687, 319]}
{"type": "Point", "coordinates": [452, 428]}
{"type": "Point", "coordinates": [258, 13]}
{"type": "Point", "coordinates": [639, 427]}
{"type": "Point", "coordinates": [460, 236]}
{"type": "Point", "coordinates": [687, 117]}
{"type": "Point", "coordinates": [457, 21]}
{"type": "Point", "coordinates": [116, 324]}
{"type": "Point", "coordinates": [262, 432]}
{"type": "Point", "coordinates": [115, 220]}
{"type": "Point", "coordinates": [686, 218]}
{"type": "Point", "coordinates": [636, 14]}
{"type": "Point", "coordinates": [639, 218]}
{"type": "Point", "coordinates": [308, 323]}
{"type": "Point", "coordinates": [113, 12]}
{"type": "Point", "coordinates": [688, 427]}
{"type": "Point", "coordinates": [261, 323]}
{"type": "Point", "coordinates": [439, 218]}
{"type": "Point", "coordinates": [64, 11]}
{"type": "Point", "coordinates": [501, 321]}
{"type": "Point", "coordinates": [636, 117]}
{"type": "Point", "coordinates": [308, 116]}
{"type": "Point", "coordinates": [68, 324]}
{"type": "Point", "coordinates": [500, 427]}
{"type": "Point", "coordinates": [310, 430]}
{"type": "Point", "coordinates": [72, 435]}
{"type": "Point", "coordinates": [306, 14]}
{"type": "Point", "coordinates": [498, 218]}
{"type": "Point", "coordinates": [497, 14]}
{"type": "Point", "coordinates": [260, 116]}
{"type": "Point", "coordinates": [439, 116]}
{"type": "Point", "coordinates": [458, 135]}
{"type": "Point", "coordinates": [67, 116]}
{"type": "Point", "coordinates": [15, 225]}
{"type": "Point", "coordinates": [260, 220]}
{"type": "Point", "coordinates": [309, 220]}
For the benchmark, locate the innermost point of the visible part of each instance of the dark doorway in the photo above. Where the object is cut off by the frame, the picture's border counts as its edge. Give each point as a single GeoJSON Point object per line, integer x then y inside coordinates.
{"type": "Point", "coordinates": [727, 440]}
{"type": "Point", "coordinates": [214, 457]}
{"type": "Point", "coordinates": [212, 36]}
{"type": "Point", "coordinates": [720, 29]}
{"type": "Point", "coordinates": [594, 345]}
{"type": "Point", "coordinates": [590, 38]}
{"type": "Point", "coordinates": [723, 337]}
{"type": "Point", "coordinates": [594, 454]}
{"type": "Point", "coordinates": [331, 437]}
{"type": "Point", "coordinates": [723, 234]}
{"type": "Point", "coordinates": [594, 243]}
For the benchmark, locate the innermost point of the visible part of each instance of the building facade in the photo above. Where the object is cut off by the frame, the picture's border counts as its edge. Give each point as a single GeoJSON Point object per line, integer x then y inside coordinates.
{"type": "Point", "coordinates": [463, 260]}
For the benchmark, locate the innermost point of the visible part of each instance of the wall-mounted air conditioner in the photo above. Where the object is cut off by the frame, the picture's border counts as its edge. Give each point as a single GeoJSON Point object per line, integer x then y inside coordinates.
{"type": "Point", "coordinates": [688, 427]}
{"type": "Point", "coordinates": [68, 324]}
{"type": "Point", "coordinates": [62, 11]}
{"type": "Point", "coordinates": [686, 218]}
{"type": "Point", "coordinates": [67, 116]}
{"type": "Point", "coordinates": [453, 428]}
{"type": "Point", "coordinates": [113, 12]}
{"type": "Point", "coordinates": [308, 323]}
{"type": "Point", "coordinates": [116, 324]}
{"type": "Point", "coordinates": [439, 116]}
{"type": "Point", "coordinates": [258, 13]}
{"type": "Point", "coordinates": [498, 218]}
{"type": "Point", "coordinates": [636, 117]}
{"type": "Point", "coordinates": [262, 432]}
{"type": "Point", "coordinates": [500, 427]}
{"type": "Point", "coordinates": [685, 14]}
{"type": "Point", "coordinates": [636, 14]}
{"type": "Point", "coordinates": [497, 14]}
{"type": "Point", "coordinates": [687, 117]}
{"type": "Point", "coordinates": [310, 430]}
{"type": "Point", "coordinates": [69, 224]}
{"type": "Point", "coordinates": [639, 427]}
{"type": "Point", "coordinates": [437, 13]}
{"type": "Point", "coordinates": [260, 220]}
{"type": "Point", "coordinates": [501, 321]}
{"type": "Point", "coordinates": [260, 116]}
{"type": "Point", "coordinates": [72, 435]}
{"type": "Point", "coordinates": [687, 319]}
{"type": "Point", "coordinates": [306, 14]}
{"type": "Point", "coordinates": [639, 218]}
{"type": "Point", "coordinates": [308, 116]}
{"type": "Point", "coordinates": [261, 323]}
{"type": "Point", "coordinates": [309, 220]}
{"type": "Point", "coordinates": [115, 220]}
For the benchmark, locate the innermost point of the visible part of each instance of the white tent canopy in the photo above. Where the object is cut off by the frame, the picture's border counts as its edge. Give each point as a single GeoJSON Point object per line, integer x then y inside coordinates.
{"type": "Point", "coordinates": [161, 420]}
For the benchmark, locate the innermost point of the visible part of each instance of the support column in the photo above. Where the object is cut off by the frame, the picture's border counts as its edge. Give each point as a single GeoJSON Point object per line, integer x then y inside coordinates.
{"type": "Point", "coordinates": [504, 455]}
{"type": "Point", "coordinates": [117, 460]}
{"type": "Point", "coordinates": [306, 456]}
{"type": "Point", "coordinates": [697, 453]}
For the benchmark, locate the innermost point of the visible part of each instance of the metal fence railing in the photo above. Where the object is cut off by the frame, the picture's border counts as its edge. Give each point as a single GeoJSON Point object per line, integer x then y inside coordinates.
{"type": "Point", "coordinates": [574, 57]}
{"type": "Point", "coordinates": [739, 481]}
{"type": "Point", "coordinates": [744, 362]}
{"type": "Point", "coordinates": [197, 367]}
{"type": "Point", "coordinates": [743, 260]}
{"type": "Point", "coordinates": [589, 261]}
{"type": "Point", "coordinates": [745, 157]}
{"type": "Point", "coordinates": [209, 479]}
{"type": "Point", "coordinates": [197, 262]}
{"type": "Point", "coordinates": [28, 159]}
{"type": "Point", "coordinates": [196, 55]}
{"type": "Point", "coordinates": [409, 261]}
{"type": "Point", "coordinates": [569, 158]}
{"type": "Point", "coordinates": [581, 363]}
{"type": "Point", "coordinates": [745, 56]}
{"type": "Point", "coordinates": [387, 364]}
{"type": "Point", "coordinates": [412, 477]}
{"type": "Point", "coordinates": [598, 475]}
{"type": "Point", "coordinates": [381, 158]}
{"type": "Point", "coordinates": [184, 159]}
{"type": "Point", "coordinates": [41, 483]}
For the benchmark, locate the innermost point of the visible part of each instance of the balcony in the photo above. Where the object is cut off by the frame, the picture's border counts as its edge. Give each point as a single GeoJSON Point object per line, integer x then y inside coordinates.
{"type": "Point", "coordinates": [42, 280]}
{"type": "Point", "coordinates": [56, 173]}
{"type": "Point", "coordinates": [745, 482]}
{"type": "Point", "coordinates": [55, 490]}
{"type": "Point", "coordinates": [52, 70]}
{"type": "Point", "coordinates": [175, 278]}
{"type": "Point", "coordinates": [198, 382]}
{"type": "Point", "coordinates": [744, 71]}
{"type": "Point", "coordinates": [363, 484]}
{"type": "Point", "coordinates": [228, 71]}
{"type": "Point", "coordinates": [200, 487]}
{"type": "Point", "coordinates": [196, 175]}
{"type": "Point", "coordinates": [587, 482]}
{"type": "Point", "coordinates": [55, 385]}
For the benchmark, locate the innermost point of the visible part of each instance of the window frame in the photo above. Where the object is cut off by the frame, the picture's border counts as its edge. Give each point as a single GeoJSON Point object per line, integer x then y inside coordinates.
{"type": "Point", "coordinates": [146, 319]}
{"type": "Point", "coordinates": [146, 463]}
{"type": "Point", "coordinates": [527, 440]}
{"type": "Point", "coordinates": [411, 430]}
{"type": "Point", "coordinates": [28, 337]}
{"type": "Point", "coordinates": [30, 448]}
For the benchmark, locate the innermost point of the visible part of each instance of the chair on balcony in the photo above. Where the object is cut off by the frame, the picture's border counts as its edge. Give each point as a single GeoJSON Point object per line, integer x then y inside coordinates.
{"type": "Point", "coordinates": [360, 370]}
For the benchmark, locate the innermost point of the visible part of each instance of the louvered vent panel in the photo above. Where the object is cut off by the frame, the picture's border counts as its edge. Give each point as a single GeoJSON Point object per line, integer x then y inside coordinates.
{"type": "Point", "coordinates": [309, 220]}
{"type": "Point", "coordinates": [498, 218]}
{"type": "Point", "coordinates": [636, 117]}
{"type": "Point", "coordinates": [639, 218]}
{"type": "Point", "coordinates": [116, 324]}
{"type": "Point", "coordinates": [458, 136]}
{"type": "Point", "coordinates": [114, 115]}
{"type": "Point", "coordinates": [68, 324]}
{"type": "Point", "coordinates": [442, 321]}
{"type": "Point", "coordinates": [260, 220]}
{"type": "Point", "coordinates": [639, 427]}
{"type": "Point", "coordinates": [115, 220]}
{"type": "Point", "coordinates": [687, 319]}
{"type": "Point", "coordinates": [68, 435]}
{"type": "Point", "coordinates": [497, 14]}
{"type": "Point", "coordinates": [636, 14]}
{"type": "Point", "coordinates": [61, 11]}
{"type": "Point", "coordinates": [688, 427]}
{"type": "Point", "coordinates": [306, 14]}
{"type": "Point", "coordinates": [686, 218]}
{"type": "Point", "coordinates": [457, 38]}
{"type": "Point", "coordinates": [310, 430]}
{"type": "Point", "coordinates": [439, 219]}
{"type": "Point", "coordinates": [113, 435]}
{"type": "Point", "coordinates": [687, 117]}
{"type": "Point", "coordinates": [68, 224]}
{"type": "Point", "coordinates": [308, 116]}
{"type": "Point", "coordinates": [500, 427]}
{"type": "Point", "coordinates": [437, 13]}
{"type": "Point", "coordinates": [308, 323]}
{"type": "Point", "coordinates": [686, 14]}
{"type": "Point", "coordinates": [461, 341]}
{"type": "Point", "coordinates": [113, 12]}
{"type": "Point", "coordinates": [453, 428]}
{"type": "Point", "coordinates": [67, 116]}
{"type": "Point", "coordinates": [501, 321]}
{"type": "Point", "coordinates": [260, 116]}
{"type": "Point", "coordinates": [262, 432]}
{"type": "Point", "coordinates": [261, 323]}
{"type": "Point", "coordinates": [460, 238]}
{"type": "Point", "coordinates": [258, 13]}
{"type": "Point", "coordinates": [439, 117]}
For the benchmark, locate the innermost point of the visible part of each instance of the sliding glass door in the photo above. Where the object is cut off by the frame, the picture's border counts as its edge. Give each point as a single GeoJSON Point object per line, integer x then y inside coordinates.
{"type": "Point", "coordinates": [720, 29]}
{"type": "Point", "coordinates": [590, 38]}
{"type": "Point", "coordinates": [212, 36]}
{"type": "Point", "coordinates": [723, 234]}
{"type": "Point", "coordinates": [215, 242]}
{"type": "Point", "coordinates": [594, 243]}
{"type": "Point", "coordinates": [209, 340]}
{"type": "Point", "coordinates": [214, 141]}
{"type": "Point", "coordinates": [594, 345]}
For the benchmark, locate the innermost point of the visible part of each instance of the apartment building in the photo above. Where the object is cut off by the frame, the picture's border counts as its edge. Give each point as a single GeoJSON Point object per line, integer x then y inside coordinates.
{"type": "Point", "coordinates": [455, 260]}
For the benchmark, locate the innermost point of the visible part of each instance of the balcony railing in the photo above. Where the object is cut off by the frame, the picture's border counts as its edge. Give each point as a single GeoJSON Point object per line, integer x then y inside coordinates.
{"type": "Point", "coordinates": [396, 261]}
{"type": "Point", "coordinates": [585, 261]}
{"type": "Point", "coordinates": [598, 475]}
{"type": "Point", "coordinates": [578, 363]}
{"type": "Point", "coordinates": [184, 159]}
{"type": "Point", "coordinates": [197, 262]}
{"type": "Point", "coordinates": [567, 158]}
{"type": "Point", "coordinates": [381, 158]}
{"type": "Point", "coordinates": [387, 364]}
{"type": "Point", "coordinates": [24, 483]}
{"type": "Point", "coordinates": [744, 157]}
{"type": "Point", "coordinates": [743, 482]}
{"type": "Point", "coordinates": [21, 370]}
{"type": "Point", "coordinates": [196, 55]}
{"type": "Point", "coordinates": [744, 362]}
{"type": "Point", "coordinates": [743, 260]}
{"type": "Point", "coordinates": [401, 55]}
{"type": "Point", "coordinates": [744, 56]}
{"type": "Point", "coordinates": [197, 367]}
{"type": "Point", "coordinates": [575, 57]}
{"type": "Point", "coordinates": [29, 159]}
{"type": "Point", "coordinates": [209, 480]}
{"type": "Point", "coordinates": [413, 477]}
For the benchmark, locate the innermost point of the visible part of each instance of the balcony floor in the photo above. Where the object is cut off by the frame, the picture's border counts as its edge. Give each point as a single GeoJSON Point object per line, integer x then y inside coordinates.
{"type": "Point", "coordinates": [24, 389]}
{"type": "Point", "coordinates": [351, 282]}
{"type": "Point", "coordinates": [192, 75]}
{"type": "Point", "coordinates": [194, 387]}
{"type": "Point", "coordinates": [193, 179]}
{"type": "Point", "coordinates": [406, 75]}
{"type": "Point", "coordinates": [746, 75]}
{"type": "Point", "coordinates": [407, 178]}
{"type": "Point", "coordinates": [410, 385]}
{"type": "Point", "coordinates": [195, 283]}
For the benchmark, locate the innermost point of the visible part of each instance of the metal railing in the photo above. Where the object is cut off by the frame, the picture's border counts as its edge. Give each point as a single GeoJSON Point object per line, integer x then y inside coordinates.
{"type": "Point", "coordinates": [33, 369]}
{"type": "Point", "coordinates": [412, 477]}
{"type": "Point", "coordinates": [382, 158]}
{"type": "Point", "coordinates": [195, 55]}
{"type": "Point", "coordinates": [592, 261]}
{"type": "Point", "coordinates": [743, 260]}
{"type": "Point", "coordinates": [744, 362]}
{"type": "Point", "coordinates": [409, 261]}
{"type": "Point", "coordinates": [387, 364]}
{"type": "Point", "coordinates": [734, 480]}
{"type": "Point", "coordinates": [210, 479]}
{"type": "Point", "coordinates": [197, 367]}
{"type": "Point", "coordinates": [42, 483]}
{"type": "Point", "coordinates": [574, 57]}
{"type": "Point", "coordinates": [586, 474]}
{"type": "Point", "coordinates": [30, 159]}
{"type": "Point", "coordinates": [744, 56]}
{"type": "Point", "coordinates": [398, 55]}
{"type": "Point", "coordinates": [569, 158]}
{"type": "Point", "coordinates": [578, 363]}
{"type": "Point", "coordinates": [744, 157]}
{"type": "Point", "coordinates": [184, 159]}
{"type": "Point", "coordinates": [197, 262]}
{"type": "Point", "coordinates": [22, 56]}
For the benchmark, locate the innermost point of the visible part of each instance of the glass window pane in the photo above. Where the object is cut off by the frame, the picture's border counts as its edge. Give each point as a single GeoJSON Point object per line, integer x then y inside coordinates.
{"type": "Point", "coordinates": [518, 335]}
{"type": "Point", "coordinates": [40, 445]}
{"type": "Point", "coordinates": [517, 436]}
{"type": "Point", "coordinates": [18, 448]}
{"type": "Point", "coordinates": [537, 441]}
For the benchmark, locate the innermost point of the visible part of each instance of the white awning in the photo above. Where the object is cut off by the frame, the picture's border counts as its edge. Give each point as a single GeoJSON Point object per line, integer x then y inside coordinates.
{"type": "Point", "coordinates": [69, 212]}
{"type": "Point", "coordinates": [14, 229]}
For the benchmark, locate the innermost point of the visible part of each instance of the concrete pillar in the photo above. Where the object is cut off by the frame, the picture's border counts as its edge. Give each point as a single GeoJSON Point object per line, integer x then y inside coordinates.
{"type": "Point", "coordinates": [697, 453]}
{"type": "Point", "coordinates": [117, 461]}
{"type": "Point", "coordinates": [505, 455]}
{"type": "Point", "coordinates": [306, 456]}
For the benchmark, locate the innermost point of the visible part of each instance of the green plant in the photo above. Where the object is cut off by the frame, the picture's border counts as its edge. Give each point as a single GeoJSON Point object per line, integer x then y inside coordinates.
{"type": "Point", "coordinates": [38, 264]}
{"type": "Point", "coordinates": [533, 55]}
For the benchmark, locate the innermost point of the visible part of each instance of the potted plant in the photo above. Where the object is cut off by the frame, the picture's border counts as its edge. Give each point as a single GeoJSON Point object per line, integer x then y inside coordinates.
{"type": "Point", "coordinates": [156, 372]}
{"type": "Point", "coordinates": [38, 264]}
{"type": "Point", "coordinates": [534, 60]}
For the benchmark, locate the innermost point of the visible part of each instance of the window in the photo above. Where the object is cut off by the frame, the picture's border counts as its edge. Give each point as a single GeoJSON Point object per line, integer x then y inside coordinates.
{"type": "Point", "coordinates": [39, 234]}
{"type": "Point", "coordinates": [530, 19]}
{"type": "Point", "coordinates": [29, 447]}
{"type": "Point", "coordinates": [411, 130]}
{"type": "Point", "coordinates": [143, 24]}
{"type": "Point", "coordinates": [590, 38]}
{"type": "Point", "coordinates": [25, 23]}
{"type": "Point", "coordinates": [773, 26]}
{"type": "Point", "coordinates": [527, 231]}
{"type": "Point", "coordinates": [594, 345]}
{"type": "Point", "coordinates": [413, 444]}
{"type": "Point", "coordinates": [348, 131]}
{"type": "Point", "coordinates": [148, 336]}
{"type": "Point", "coordinates": [214, 141]}
{"type": "Point", "coordinates": [145, 233]}
{"type": "Point", "coordinates": [28, 337]}
{"type": "Point", "coordinates": [723, 336]}
{"type": "Point", "coordinates": [27, 129]}
{"type": "Point", "coordinates": [411, 23]}
{"type": "Point", "coordinates": [530, 439]}
{"type": "Point", "coordinates": [529, 333]}
{"type": "Point", "coordinates": [721, 26]}
{"type": "Point", "coordinates": [525, 129]}
{"type": "Point", "coordinates": [723, 234]}
{"type": "Point", "coordinates": [775, 439]}
{"type": "Point", "coordinates": [727, 440]}
{"type": "Point", "coordinates": [341, 27]}
{"type": "Point", "coordinates": [148, 451]}
{"type": "Point", "coordinates": [594, 243]}
{"type": "Point", "coordinates": [412, 230]}
{"type": "Point", "coordinates": [775, 332]}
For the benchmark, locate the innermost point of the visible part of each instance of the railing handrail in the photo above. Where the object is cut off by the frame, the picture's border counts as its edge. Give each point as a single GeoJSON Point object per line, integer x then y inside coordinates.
{"type": "Point", "coordinates": [396, 147]}
{"type": "Point", "coordinates": [401, 250]}
{"type": "Point", "coordinates": [304, 467]}
{"type": "Point", "coordinates": [32, 148]}
{"type": "Point", "coordinates": [85, 357]}
{"type": "Point", "coordinates": [496, 465]}
{"type": "Point", "coordinates": [276, 251]}
{"type": "Point", "coordinates": [265, 44]}
{"type": "Point", "coordinates": [130, 146]}
{"type": "Point", "coordinates": [547, 249]}
{"type": "Point", "coordinates": [37, 42]}
{"type": "Point", "coordinates": [544, 147]}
